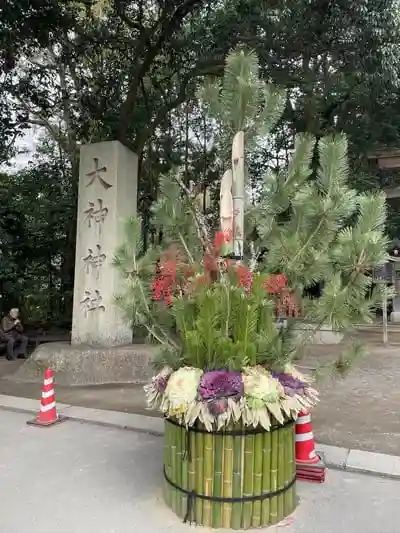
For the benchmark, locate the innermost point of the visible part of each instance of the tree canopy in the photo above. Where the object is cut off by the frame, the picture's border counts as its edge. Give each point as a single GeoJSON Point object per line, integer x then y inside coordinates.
{"type": "Point", "coordinates": [92, 70]}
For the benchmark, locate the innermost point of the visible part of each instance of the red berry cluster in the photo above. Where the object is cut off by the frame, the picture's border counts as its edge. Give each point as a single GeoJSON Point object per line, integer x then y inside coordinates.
{"type": "Point", "coordinates": [244, 277]}
{"type": "Point", "coordinates": [171, 276]}
{"type": "Point", "coordinates": [175, 277]}
{"type": "Point", "coordinates": [275, 283]}
{"type": "Point", "coordinates": [162, 290]}
{"type": "Point", "coordinates": [287, 304]}
{"type": "Point", "coordinates": [221, 238]}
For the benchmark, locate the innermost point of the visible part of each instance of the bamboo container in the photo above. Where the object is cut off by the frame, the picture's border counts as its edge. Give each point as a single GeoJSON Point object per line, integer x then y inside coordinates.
{"type": "Point", "coordinates": [248, 481]}
{"type": "Point", "coordinates": [227, 478]}
{"type": "Point", "coordinates": [232, 467]}
{"type": "Point", "coordinates": [218, 480]}
{"type": "Point", "coordinates": [258, 475]}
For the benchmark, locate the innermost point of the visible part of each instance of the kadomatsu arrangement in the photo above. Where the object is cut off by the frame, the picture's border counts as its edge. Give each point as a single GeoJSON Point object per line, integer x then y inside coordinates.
{"type": "Point", "coordinates": [226, 301]}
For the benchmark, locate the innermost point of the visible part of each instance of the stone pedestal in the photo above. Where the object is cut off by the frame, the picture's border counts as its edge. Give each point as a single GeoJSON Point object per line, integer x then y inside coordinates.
{"type": "Point", "coordinates": [107, 197]}
{"type": "Point", "coordinates": [88, 365]}
{"type": "Point", "coordinates": [324, 335]}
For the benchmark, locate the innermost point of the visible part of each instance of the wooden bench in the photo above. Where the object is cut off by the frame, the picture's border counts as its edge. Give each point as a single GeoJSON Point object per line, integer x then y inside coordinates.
{"type": "Point", "coordinates": [34, 341]}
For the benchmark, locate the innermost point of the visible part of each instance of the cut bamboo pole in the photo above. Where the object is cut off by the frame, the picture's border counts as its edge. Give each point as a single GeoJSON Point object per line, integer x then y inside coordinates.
{"type": "Point", "coordinates": [281, 435]}
{"type": "Point", "coordinates": [226, 210]}
{"type": "Point", "coordinates": [248, 485]}
{"type": "Point", "coordinates": [289, 463]}
{"type": "Point", "coordinates": [238, 171]}
{"type": "Point", "coordinates": [167, 462]}
{"type": "Point", "coordinates": [178, 479]}
{"type": "Point", "coordinates": [227, 478]}
{"type": "Point", "coordinates": [174, 492]}
{"type": "Point", "coordinates": [237, 480]}
{"type": "Point", "coordinates": [184, 471]}
{"type": "Point", "coordinates": [192, 462]}
{"type": "Point", "coordinates": [274, 476]}
{"type": "Point", "coordinates": [208, 477]}
{"type": "Point", "coordinates": [266, 478]}
{"type": "Point", "coordinates": [218, 481]}
{"type": "Point", "coordinates": [292, 469]}
{"type": "Point", "coordinates": [199, 476]}
{"type": "Point", "coordinates": [258, 474]}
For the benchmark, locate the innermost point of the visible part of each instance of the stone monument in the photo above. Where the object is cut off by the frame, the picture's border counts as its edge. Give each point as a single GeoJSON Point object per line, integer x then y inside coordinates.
{"type": "Point", "coordinates": [107, 197]}
{"type": "Point", "coordinates": [101, 349]}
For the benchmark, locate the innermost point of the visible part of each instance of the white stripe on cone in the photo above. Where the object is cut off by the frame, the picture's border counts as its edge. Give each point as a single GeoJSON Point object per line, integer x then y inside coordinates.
{"type": "Point", "coordinates": [48, 381]}
{"type": "Point", "coordinates": [301, 437]}
{"type": "Point", "coordinates": [45, 408]}
{"type": "Point", "coordinates": [303, 419]}
{"type": "Point", "coordinates": [48, 394]}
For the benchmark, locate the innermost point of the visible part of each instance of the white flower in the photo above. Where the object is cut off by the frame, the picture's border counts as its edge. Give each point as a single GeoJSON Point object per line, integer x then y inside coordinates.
{"type": "Point", "coordinates": [260, 387]}
{"type": "Point", "coordinates": [182, 388]}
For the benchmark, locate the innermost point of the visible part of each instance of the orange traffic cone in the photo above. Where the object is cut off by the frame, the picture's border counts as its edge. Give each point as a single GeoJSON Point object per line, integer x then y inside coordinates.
{"type": "Point", "coordinates": [305, 447]}
{"type": "Point", "coordinates": [48, 412]}
{"type": "Point", "coordinates": [309, 465]}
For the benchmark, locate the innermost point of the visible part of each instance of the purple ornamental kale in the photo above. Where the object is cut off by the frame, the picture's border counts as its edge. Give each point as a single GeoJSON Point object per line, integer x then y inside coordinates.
{"type": "Point", "coordinates": [217, 386]}
{"type": "Point", "coordinates": [221, 384]}
{"type": "Point", "coordinates": [290, 384]}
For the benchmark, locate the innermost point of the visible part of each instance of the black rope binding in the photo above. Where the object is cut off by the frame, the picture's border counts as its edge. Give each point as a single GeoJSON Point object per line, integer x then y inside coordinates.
{"type": "Point", "coordinates": [190, 514]}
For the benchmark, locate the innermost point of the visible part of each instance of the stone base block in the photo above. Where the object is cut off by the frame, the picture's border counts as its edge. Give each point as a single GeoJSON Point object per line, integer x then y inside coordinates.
{"type": "Point", "coordinates": [88, 365]}
{"type": "Point", "coordinates": [395, 317]}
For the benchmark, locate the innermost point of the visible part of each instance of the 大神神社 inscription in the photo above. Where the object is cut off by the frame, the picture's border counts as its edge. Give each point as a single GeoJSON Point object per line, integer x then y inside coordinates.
{"type": "Point", "coordinates": [92, 301]}
{"type": "Point", "coordinates": [95, 174]}
{"type": "Point", "coordinates": [107, 196]}
{"type": "Point", "coordinates": [93, 261]}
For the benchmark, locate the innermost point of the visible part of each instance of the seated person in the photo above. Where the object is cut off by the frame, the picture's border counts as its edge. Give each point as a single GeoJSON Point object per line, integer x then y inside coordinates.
{"type": "Point", "coordinates": [11, 333]}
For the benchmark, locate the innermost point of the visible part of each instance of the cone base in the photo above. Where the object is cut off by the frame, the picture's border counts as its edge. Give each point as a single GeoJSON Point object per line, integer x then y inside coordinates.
{"type": "Point", "coordinates": [38, 423]}
{"type": "Point", "coordinates": [316, 475]}
{"type": "Point", "coordinates": [314, 472]}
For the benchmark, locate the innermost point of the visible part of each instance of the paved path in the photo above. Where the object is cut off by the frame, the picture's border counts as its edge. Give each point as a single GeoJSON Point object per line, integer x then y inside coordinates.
{"type": "Point", "coordinates": [79, 478]}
